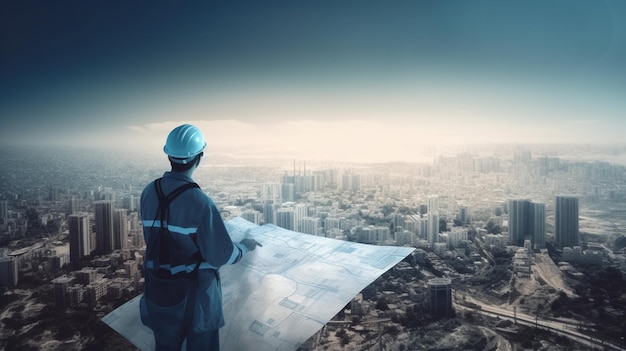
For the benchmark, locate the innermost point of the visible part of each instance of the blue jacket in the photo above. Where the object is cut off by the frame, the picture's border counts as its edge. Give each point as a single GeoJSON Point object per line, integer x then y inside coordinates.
{"type": "Point", "coordinates": [193, 213]}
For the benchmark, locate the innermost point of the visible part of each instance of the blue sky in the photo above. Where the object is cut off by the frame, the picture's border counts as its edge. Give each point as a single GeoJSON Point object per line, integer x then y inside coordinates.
{"type": "Point", "coordinates": [290, 74]}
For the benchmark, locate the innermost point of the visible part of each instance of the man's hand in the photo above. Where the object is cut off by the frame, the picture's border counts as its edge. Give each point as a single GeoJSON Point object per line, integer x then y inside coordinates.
{"type": "Point", "coordinates": [250, 244]}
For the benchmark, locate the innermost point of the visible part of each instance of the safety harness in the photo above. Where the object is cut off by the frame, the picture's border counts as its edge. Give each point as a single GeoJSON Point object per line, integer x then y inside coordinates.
{"type": "Point", "coordinates": [165, 291]}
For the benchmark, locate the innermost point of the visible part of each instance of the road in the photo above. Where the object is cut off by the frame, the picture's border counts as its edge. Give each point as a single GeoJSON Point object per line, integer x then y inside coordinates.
{"type": "Point", "coordinates": [560, 327]}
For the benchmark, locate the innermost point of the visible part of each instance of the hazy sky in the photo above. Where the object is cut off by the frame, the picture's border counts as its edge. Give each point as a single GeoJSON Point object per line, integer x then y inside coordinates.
{"type": "Point", "coordinates": [352, 79]}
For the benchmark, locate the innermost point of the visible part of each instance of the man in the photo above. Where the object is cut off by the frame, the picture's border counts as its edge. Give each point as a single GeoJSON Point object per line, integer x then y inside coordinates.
{"type": "Point", "coordinates": [191, 249]}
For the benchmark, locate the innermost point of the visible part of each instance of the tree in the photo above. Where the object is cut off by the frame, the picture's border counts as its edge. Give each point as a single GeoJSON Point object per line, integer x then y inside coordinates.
{"type": "Point", "coordinates": [619, 243]}
{"type": "Point", "coordinates": [381, 304]}
{"type": "Point", "coordinates": [492, 227]}
{"type": "Point", "coordinates": [387, 209]}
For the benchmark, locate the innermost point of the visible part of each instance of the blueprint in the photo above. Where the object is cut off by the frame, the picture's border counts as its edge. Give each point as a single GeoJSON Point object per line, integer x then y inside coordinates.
{"type": "Point", "coordinates": [280, 294]}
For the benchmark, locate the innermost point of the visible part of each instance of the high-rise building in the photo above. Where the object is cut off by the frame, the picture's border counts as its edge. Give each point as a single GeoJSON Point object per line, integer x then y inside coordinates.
{"type": "Point", "coordinates": [440, 296]}
{"type": "Point", "coordinates": [73, 205]}
{"type": "Point", "coordinates": [405, 237]}
{"type": "Point", "coordinates": [301, 211]}
{"type": "Point", "coordinates": [351, 182]}
{"type": "Point", "coordinates": [288, 192]}
{"type": "Point", "coordinates": [309, 225]}
{"type": "Point", "coordinates": [286, 218]}
{"type": "Point", "coordinates": [566, 221]}
{"type": "Point", "coordinates": [527, 220]}
{"type": "Point", "coordinates": [538, 225]}
{"type": "Point", "coordinates": [433, 204]}
{"type": "Point", "coordinates": [61, 288]}
{"type": "Point", "coordinates": [104, 226]}
{"type": "Point", "coordinates": [251, 216]}
{"type": "Point", "coordinates": [269, 212]}
{"type": "Point", "coordinates": [433, 220]}
{"type": "Point", "coordinates": [372, 234]}
{"type": "Point", "coordinates": [85, 276]}
{"type": "Point", "coordinates": [271, 191]}
{"type": "Point", "coordinates": [463, 215]}
{"type": "Point", "coordinates": [120, 229]}
{"type": "Point", "coordinates": [433, 229]}
{"type": "Point", "coordinates": [4, 210]}
{"type": "Point", "coordinates": [519, 220]}
{"type": "Point", "coordinates": [80, 243]}
{"type": "Point", "coordinates": [9, 271]}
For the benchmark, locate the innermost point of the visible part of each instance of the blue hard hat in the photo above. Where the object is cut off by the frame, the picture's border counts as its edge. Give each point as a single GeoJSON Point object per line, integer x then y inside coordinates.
{"type": "Point", "coordinates": [184, 143]}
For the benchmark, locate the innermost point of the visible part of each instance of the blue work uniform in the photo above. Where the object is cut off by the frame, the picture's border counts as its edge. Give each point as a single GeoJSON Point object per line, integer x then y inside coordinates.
{"type": "Point", "coordinates": [192, 215]}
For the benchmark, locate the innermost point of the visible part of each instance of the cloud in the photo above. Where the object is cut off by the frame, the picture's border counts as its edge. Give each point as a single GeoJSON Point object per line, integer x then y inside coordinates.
{"type": "Point", "coordinates": [137, 129]}
{"type": "Point", "coordinates": [590, 121]}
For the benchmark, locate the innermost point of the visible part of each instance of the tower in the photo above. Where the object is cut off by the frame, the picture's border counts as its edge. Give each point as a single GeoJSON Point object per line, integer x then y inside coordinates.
{"type": "Point", "coordinates": [538, 225]}
{"type": "Point", "coordinates": [433, 220]}
{"type": "Point", "coordinates": [527, 220]}
{"type": "Point", "coordinates": [310, 225]}
{"type": "Point", "coordinates": [440, 296]}
{"type": "Point", "coordinates": [463, 215]}
{"type": "Point", "coordinates": [269, 212]}
{"type": "Point", "coordinates": [9, 271]}
{"type": "Point", "coordinates": [73, 204]}
{"type": "Point", "coordinates": [80, 243]}
{"type": "Point", "coordinates": [120, 229]}
{"type": "Point", "coordinates": [104, 226]}
{"type": "Point", "coordinates": [4, 210]}
{"type": "Point", "coordinates": [61, 287]}
{"type": "Point", "coordinates": [251, 216]}
{"type": "Point", "coordinates": [286, 218]}
{"type": "Point", "coordinates": [566, 221]}
{"type": "Point", "coordinates": [271, 191]}
{"type": "Point", "coordinates": [519, 219]}
{"type": "Point", "coordinates": [301, 211]}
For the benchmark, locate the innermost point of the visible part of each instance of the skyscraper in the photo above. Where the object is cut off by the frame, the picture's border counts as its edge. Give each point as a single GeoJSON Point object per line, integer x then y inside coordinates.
{"type": "Point", "coordinates": [251, 216]}
{"type": "Point", "coordinates": [61, 286]}
{"type": "Point", "coordinates": [433, 220]}
{"type": "Point", "coordinates": [72, 206]}
{"type": "Point", "coordinates": [351, 182]}
{"type": "Point", "coordinates": [310, 225]}
{"type": "Point", "coordinates": [104, 226]}
{"type": "Point", "coordinates": [463, 215]}
{"type": "Point", "coordinates": [269, 212]}
{"type": "Point", "coordinates": [527, 220]}
{"type": "Point", "coordinates": [538, 225]}
{"type": "Point", "coordinates": [271, 191]}
{"type": "Point", "coordinates": [9, 273]}
{"type": "Point", "coordinates": [566, 221]}
{"type": "Point", "coordinates": [286, 218]}
{"type": "Point", "coordinates": [519, 220]}
{"type": "Point", "coordinates": [120, 229]}
{"type": "Point", "coordinates": [288, 192]}
{"type": "Point", "coordinates": [4, 210]}
{"type": "Point", "coordinates": [440, 294]}
{"type": "Point", "coordinates": [80, 243]}
{"type": "Point", "coordinates": [301, 211]}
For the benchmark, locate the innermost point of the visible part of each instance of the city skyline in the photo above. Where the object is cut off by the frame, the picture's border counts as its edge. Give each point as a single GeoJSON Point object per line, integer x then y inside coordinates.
{"type": "Point", "coordinates": [377, 204]}
{"type": "Point", "coordinates": [352, 80]}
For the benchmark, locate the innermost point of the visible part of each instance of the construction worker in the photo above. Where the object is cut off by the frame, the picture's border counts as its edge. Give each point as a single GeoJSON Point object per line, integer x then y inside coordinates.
{"type": "Point", "coordinates": [187, 243]}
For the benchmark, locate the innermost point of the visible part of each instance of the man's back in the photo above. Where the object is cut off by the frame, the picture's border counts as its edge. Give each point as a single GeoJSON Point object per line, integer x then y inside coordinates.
{"type": "Point", "coordinates": [197, 244]}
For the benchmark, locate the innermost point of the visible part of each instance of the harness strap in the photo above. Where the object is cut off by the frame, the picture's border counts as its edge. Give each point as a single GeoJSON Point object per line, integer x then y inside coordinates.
{"type": "Point", "coordinates": [165, 200]}
{"type": "Point", "coordinates": [163, 212]}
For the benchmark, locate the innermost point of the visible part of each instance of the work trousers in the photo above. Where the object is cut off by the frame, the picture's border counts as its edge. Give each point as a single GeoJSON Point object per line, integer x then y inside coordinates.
{"type": "Point", "coordinates": [207, 341]}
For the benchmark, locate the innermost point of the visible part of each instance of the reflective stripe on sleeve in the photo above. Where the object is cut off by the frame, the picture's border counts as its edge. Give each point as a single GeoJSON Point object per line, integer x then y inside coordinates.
{"type": "Point", "coordinates": [171, 228]}
{"type": "Point", "coordinates": [235, 255]}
